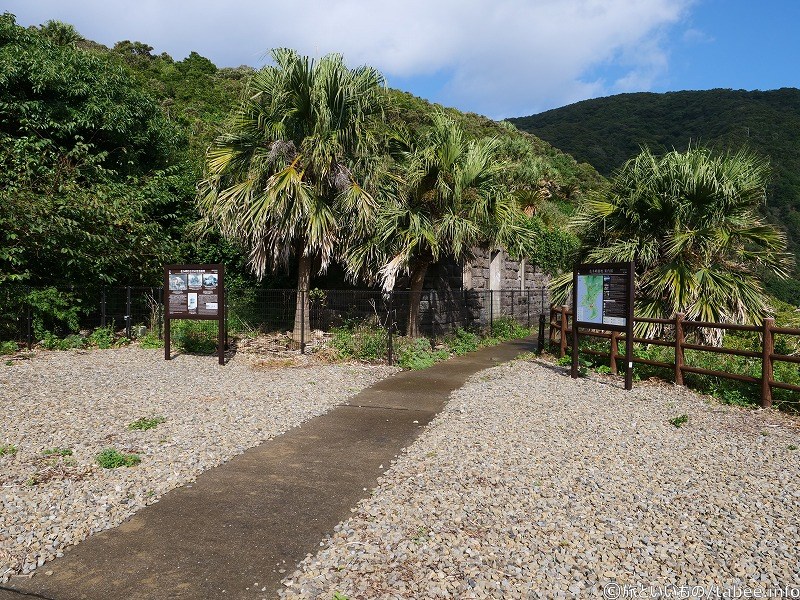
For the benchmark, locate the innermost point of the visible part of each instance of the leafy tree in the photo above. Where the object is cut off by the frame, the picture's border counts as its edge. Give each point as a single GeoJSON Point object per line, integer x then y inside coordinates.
{"type": "Point", "coordinates": [86, 186]}
{"type": "Point", "coordinates": [446, 195]}
{"type": "Point", "coordinates": [62, 34]}
{"type": "Point", "coordinates": [689, 220]}
{"type": "Point", "coordinates": [280, 179]}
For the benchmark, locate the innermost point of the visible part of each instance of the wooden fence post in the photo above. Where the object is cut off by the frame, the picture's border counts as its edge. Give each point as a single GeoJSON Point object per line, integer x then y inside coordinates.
{"type": "Point", "coordinates": [612, 356]}
{"type": "Point", "coordinates": [563, 340]}
{"type": "Point", "coordinates": [679, 358]}
{"type": "Point", "coordinates": [766, 363]}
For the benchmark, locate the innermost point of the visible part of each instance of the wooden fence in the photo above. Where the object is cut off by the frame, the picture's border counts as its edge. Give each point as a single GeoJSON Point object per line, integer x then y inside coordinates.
{"type": "Point", "coordinates": [561, 331]}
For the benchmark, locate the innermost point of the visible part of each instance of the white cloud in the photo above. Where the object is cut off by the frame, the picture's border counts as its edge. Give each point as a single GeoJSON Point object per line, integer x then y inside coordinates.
{"type": "Point", "coordinates": [502, 57]}
{"type": "Point", "coordinates": [697, 36]}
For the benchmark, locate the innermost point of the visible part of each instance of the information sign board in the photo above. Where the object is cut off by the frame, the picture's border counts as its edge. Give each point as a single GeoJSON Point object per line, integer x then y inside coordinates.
{"type": "Point", "coordinates": [602, 298]}
{"type": "Point", "coordinates": [195, 292]}
{"type": "Point", "coordinates": [602, 294]}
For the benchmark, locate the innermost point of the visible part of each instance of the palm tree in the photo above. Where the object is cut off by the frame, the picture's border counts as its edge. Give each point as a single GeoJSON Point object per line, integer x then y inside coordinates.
{"type": "Point", "coordinates": [689, 221]}
{"type": "Point", "coordinates": [280, 179]}
{"type": "Point", "coordinates": [444, 196]}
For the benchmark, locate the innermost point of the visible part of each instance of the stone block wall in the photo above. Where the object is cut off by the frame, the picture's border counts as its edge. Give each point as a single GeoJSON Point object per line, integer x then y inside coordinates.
{"type": "Point", "coordinates": [462, 295]}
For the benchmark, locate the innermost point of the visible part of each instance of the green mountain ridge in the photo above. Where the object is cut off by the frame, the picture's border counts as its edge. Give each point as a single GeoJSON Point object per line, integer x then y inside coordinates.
{"type": "Point", "coordinates": [605, 132]}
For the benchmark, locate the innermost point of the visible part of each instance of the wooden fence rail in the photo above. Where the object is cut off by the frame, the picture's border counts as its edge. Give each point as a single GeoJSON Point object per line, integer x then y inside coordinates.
{"type": "Point", "coordinates": [561, 331]}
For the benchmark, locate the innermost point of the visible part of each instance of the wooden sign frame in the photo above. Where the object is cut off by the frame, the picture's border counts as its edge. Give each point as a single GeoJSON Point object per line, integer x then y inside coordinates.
{"type": "Point", "coordinates": [195, 292]}
{"type": "Point", "coordinates": [618, 284]}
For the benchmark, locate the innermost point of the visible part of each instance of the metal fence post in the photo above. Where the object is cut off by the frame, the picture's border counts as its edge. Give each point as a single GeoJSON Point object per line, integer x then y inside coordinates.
{"type": "Point", "coordinates": [103, 308]}
{"type": "Point", "coordinates": [389, 327]}
{"type": "Point", "coordinates": [540, 341]}
{"type": "Point", "coordinates": [302, 321]}
{"type": "Point", "coordinates": [528, 302]}
{"type": "Point", "coordinates": [160, 316]}
{"type": "Point", "coordinates": [30, 328]}
{"type": "Point", "coordinates": [128, 312]}
{"type": "Point", "coordinates": [491, 312]}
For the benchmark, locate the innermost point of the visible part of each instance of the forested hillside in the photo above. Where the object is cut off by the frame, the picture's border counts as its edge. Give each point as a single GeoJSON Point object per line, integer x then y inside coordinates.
{"type": "Point", "coordinates": [101, 151]}
{"type": "Point", "coordinates": [606, 132]}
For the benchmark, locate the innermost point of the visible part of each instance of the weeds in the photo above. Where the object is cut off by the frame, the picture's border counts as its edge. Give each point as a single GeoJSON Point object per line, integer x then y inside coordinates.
{"type": "Point", "coordinates": [150, 341]}
{"type": "Point", "coordinates": [462, 341]}
{"type": "Point", "coordinates": [102, 337]}
{"type": "Point", "coordinates": [8, 449]}
{"type": "Point", "coordinates": [57, 452]}
{"type": "Point", "coordinates": [196, 337]}
{"type": "Point", "coordinates": [361, 342]}
{"type": "Point", "coordinates": [144, 423]}
{"type": "Point", "coordinates": [679, 421]}
{"type": "Point", "coordinates": [111, 458]}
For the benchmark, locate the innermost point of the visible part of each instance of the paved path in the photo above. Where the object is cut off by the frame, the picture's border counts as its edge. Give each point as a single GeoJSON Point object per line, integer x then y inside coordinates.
{"type": "Point", "coordinates": [233, 532]}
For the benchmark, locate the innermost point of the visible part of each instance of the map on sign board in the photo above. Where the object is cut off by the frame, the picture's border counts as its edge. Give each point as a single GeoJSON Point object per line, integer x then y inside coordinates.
{"type": "Point", "coordinates": [590, 298]}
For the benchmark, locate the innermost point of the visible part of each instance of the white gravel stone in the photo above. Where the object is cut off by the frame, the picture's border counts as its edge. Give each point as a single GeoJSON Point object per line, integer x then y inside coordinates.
{"type": "Point", "coordinates": [531, 484]}
{"type": "Point", "coordinates": [84, 401]}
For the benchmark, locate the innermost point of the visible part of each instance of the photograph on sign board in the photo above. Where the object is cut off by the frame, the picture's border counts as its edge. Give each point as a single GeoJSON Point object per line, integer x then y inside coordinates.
{"type": "Point", "coordinates": [195, 280]}
{"type": "Point", "coordinates": [210, 280]}
{"type": "Point", "coordinates": [177, 281]}
{"type": "Point", "coordinates": [192, 301]}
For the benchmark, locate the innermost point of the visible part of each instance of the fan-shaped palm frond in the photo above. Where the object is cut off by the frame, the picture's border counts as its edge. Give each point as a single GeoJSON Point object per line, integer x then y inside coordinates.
{"type": "Point", "coordinates": [444, 196]}
{"type": "Point", "coordinates": [279, 179]}
{"type": "Point", "coordinates": [689, 220]}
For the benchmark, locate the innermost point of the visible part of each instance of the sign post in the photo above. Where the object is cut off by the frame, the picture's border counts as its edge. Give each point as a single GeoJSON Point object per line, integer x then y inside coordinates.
{"type": "Point", "coordinates": [195, 292]}
{"type": "Point", "coordinates": [602, 298]}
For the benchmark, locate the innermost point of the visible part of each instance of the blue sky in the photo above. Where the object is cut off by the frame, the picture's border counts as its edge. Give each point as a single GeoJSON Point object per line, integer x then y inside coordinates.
{"type": "Point", "coordinates": [495, 57]}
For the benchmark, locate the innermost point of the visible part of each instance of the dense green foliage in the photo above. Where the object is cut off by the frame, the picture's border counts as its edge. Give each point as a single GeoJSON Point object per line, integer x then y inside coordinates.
{"type": "Point", "coordinates": [87, 185]}
{"type": "Point", "coordinates": [689, 220]}
{"type": "Point", "coordinates": [606, 132]}
{"type": "Point", "coordinates": [101, 150]}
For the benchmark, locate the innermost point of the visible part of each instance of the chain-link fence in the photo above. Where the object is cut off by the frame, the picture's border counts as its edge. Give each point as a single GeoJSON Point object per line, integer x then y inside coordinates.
{"type": "Point", "coordinates": [301, 318]}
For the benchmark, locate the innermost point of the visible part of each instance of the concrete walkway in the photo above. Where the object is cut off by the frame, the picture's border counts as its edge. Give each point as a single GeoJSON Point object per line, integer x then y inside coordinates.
{"type": "Point", "coordinates": [242, 526]}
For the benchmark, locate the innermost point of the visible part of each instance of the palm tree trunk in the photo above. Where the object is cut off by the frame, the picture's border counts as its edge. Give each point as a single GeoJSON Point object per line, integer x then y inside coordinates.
{"type": "Point", "coordinates": [301, 316]}
{"type": "Point", "coordinates": [417, 281]}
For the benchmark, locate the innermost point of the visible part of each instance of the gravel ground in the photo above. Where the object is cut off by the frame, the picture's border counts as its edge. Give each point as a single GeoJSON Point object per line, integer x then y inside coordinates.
{"type": "Point", "coordinates": [533, 485]}
{"type": "Point", "coordinates": [84, 401]}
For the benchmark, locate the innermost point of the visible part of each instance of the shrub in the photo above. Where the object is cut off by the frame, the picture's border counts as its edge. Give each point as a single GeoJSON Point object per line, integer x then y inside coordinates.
{"type": "Point", "coordinates": [9, 347]}
{"type": "Point", "coordinates": [111, 458]}
{"type": "Point", "coordinates": [506, 328]}
{"type": "Point", "coordinates": [362, 342]}
{"type": "Point", "coordinates": [53, 311]}
{"type": "Point", "coordinates": [417, 353]}
{"type": "Point", "coordinates": [150, 341]}
{"type": "Point", "coordinates": [462, 341]}
{"type": "Point", "coordinates": [51, 342]}
{"type": "Point", "coordinates": [102, 337]}
{"type": "Point", "coordinates": [196, 337]}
